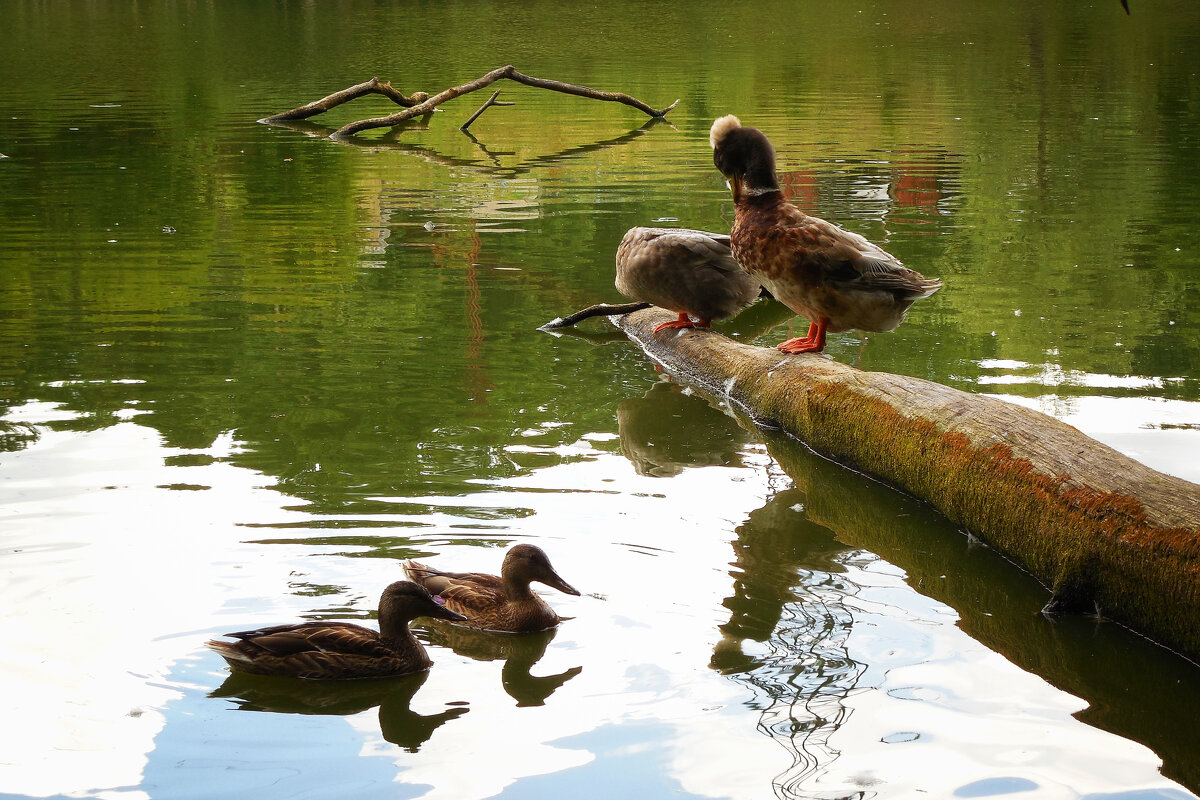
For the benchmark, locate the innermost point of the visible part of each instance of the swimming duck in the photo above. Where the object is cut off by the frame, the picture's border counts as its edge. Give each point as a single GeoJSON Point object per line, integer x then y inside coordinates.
{"type": "Point", "coordinates": [835, 278]}
{"type": "Point", "coordinates": [692, 273]}
{"type": "Point", "coordinates": [503, 603]}
{"type": "Point", "coordinates": [321, 649]}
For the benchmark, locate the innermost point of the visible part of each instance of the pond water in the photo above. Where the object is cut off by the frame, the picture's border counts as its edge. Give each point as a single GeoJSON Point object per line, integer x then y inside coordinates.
{"type": "Point", "coordinates": [245, 371]}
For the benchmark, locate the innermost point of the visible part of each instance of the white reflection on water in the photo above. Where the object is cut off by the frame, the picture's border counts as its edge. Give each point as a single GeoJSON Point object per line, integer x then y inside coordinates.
{"type": "Point", "coordinates": [1161, 433]}
{"type": "Point", "coordinates": [103, 572]}
{"type": "Point", "coordinates": [114, 582]}
{"type": "Point", "coordinates": [939, 715]}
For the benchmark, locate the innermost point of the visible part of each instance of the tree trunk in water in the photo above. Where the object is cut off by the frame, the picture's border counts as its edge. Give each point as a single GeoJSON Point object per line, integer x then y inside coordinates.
{"type": "Point", "coordinates": [1103, 531]}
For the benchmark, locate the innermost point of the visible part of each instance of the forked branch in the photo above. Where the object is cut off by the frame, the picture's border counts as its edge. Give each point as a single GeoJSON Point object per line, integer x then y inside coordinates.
{"type": "Point", "coordinates": [373, 86]}
{"type": "Point", "coordinates": [420, 103]}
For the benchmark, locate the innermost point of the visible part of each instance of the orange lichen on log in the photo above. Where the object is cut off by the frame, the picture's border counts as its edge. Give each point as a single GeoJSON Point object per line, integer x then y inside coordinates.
{"type": "Point", "coordinates": [1100, 529]}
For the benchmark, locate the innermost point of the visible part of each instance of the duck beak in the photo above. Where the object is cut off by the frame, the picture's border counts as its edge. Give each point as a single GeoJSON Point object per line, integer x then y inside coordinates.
{"type": "Point", "coordinates": [735, 183]}
{"type": "Point", "coordinates": [555, 582]}
{"type": "Point", "coordinates": [439, 611]}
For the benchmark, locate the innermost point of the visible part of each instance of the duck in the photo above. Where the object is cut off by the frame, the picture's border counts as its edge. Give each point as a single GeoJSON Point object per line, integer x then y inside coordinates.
{"type": "Point", "coordinates": [504, 603]}
{"type": "Point", "coordinates": [690, 272]}
{"type": "Point", "coordinates": [837, 279]}
{"type": "Point", "coordinates": [324, 650]}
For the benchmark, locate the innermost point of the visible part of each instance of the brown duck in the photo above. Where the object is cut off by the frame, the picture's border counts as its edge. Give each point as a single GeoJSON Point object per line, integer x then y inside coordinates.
{"type": "Point", "coordinates": [504, 603]}
{"type": "Point", "coordinates": [320, 650]}
{"type": "Point", "coordinates": [835, 278]}
{"type": "Point", "coordinates": [692, 273]}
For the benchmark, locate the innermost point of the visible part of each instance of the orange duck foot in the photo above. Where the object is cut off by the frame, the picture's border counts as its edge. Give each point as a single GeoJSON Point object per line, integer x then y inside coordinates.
{"type": "Point", "coordinates": [814, 342]}
{"type": "Point", "coordinates": [801, 345]}
{"type": "Point", "coordinates": [684, 321]}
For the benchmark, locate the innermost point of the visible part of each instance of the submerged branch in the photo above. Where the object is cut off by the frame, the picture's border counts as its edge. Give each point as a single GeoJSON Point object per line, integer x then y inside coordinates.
{"type": "Point", "coordinates": [420, 103]}
{"type": "Point", "coordinates": [598, 310]}
{"type": "Point", "coordinates": [491, 101]}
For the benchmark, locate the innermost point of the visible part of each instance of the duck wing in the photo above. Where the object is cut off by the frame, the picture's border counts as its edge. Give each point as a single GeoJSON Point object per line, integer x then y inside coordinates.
{"type": "Point", "coordinates": [848, 258]}
{"type": "Point", "coordinates": [472, 589]}
{"type": "Point", "coordinates": [310, 637]}
{"type": "Point", "coordinates": [681, 247]}
{"type": "Point", "coordinates": [473, 593]}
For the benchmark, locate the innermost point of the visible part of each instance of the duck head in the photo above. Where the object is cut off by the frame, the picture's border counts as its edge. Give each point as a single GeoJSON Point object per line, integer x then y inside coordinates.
{"type": "Point", "coordinates": [743, 155]}
{"type": "Point", "coordinates": [405, 600]}
{"type": "Point", "coordinates": [527, 562]}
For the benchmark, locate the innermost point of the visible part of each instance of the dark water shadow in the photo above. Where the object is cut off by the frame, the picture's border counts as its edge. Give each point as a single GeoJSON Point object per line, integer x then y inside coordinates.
{"type": "Point", "coordinates": [519, 651]}
{"type": "Point", "coordinates": [398, 723]}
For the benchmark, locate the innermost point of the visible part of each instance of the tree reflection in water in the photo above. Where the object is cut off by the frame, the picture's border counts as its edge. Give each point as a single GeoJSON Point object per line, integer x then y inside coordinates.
{"type": "Point", "coordinates": [788, 595]}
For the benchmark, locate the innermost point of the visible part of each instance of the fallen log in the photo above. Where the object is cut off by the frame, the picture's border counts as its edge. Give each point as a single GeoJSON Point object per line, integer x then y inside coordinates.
{"type": "Point", "coordinates": [1105, 533]}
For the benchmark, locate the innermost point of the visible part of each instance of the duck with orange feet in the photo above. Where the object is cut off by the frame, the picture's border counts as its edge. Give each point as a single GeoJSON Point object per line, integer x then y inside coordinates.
{"type": "Point", "coordinates": [690, 272]}
{"type": "Point", "coordinates": [837, 279]}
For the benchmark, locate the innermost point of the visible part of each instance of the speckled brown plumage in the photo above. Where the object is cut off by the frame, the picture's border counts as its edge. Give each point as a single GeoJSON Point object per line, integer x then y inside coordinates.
{"type": "Point", "coordinates": [504, 603]}
{"type": "Point", "coordinates": [837, 279]}
{"type": "Point", "coordinates": [690, 272]}
{"type": "Point", "coordinates": [324, 650]}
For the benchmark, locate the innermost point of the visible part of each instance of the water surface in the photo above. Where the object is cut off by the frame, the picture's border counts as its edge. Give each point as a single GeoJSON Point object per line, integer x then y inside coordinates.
{"type": "Point", "coordinates": [245, 371]}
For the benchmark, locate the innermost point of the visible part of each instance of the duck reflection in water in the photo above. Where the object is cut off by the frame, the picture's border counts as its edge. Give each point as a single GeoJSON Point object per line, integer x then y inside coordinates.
{"type": "Point", "coordinates": [398, 723]}
{"type": "Point", "coordinates": [669, 429]}
{"type": "Point", "coordinates": [519, 654]}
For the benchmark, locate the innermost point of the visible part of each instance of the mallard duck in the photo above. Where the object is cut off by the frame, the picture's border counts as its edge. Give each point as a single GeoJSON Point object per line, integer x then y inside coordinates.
{"type": "Point", "coordinates": [504, 603]}
{"type": "Point", "coordinates": [835, 278]}
{"type": "Point", "coordinates": [692, 273]}
{"type": "Point", "coordinates": [321, 649]}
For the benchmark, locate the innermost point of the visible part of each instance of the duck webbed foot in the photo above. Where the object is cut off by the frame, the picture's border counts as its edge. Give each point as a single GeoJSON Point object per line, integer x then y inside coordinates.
{"type": "Point", "coordinates": [814, 342]}
{"type": "Point", "coordinates": [684, 321]}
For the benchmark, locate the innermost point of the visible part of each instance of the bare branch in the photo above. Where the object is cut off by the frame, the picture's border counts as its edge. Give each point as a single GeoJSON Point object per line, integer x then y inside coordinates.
{"type": "Point", "coordinates": [491, 101]}
{"type": "Point", "coordinates": [373, 86]}
{"type": "Point", "coordinates": [427, 105]}
{"type": "Point", "coordinates": [599, 310]}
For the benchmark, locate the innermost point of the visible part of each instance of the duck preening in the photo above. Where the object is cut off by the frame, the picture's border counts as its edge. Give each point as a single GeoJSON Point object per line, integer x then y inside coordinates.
{"type": "Point", "coordinates": [835, 278]}
{"type": "Point", "coordinates": [692, 273]}
{"type": "Point", "coordinates": [504, 603]}
{"type": "Point", "coordinates": [321, 650]}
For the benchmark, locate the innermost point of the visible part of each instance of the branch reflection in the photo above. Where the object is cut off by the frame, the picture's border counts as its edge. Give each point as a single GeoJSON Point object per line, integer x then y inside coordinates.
{"type": "Point", "coordinates": [398, 723]}
{"type": "Point", "coordinates": [391, 141]}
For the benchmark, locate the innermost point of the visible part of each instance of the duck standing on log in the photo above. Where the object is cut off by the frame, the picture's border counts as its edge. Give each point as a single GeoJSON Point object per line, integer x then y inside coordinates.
{"type": "Point", "coordinates": [692, 273]}
{"type": "Point", "coordinates": [835, 278]}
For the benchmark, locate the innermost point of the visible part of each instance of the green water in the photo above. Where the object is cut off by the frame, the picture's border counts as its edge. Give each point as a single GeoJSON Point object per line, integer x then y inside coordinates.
{"type": "Point", "coordinates": [246, 370]}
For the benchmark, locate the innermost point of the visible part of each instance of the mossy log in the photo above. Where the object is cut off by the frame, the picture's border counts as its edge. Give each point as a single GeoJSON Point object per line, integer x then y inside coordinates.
{"type": "Point", "coordinates": [1099, 529]}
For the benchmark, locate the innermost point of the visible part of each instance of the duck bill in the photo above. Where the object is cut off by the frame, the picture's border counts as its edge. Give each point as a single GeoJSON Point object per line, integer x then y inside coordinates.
{"type": "Point", "coordinates": [555, 582]}
{"type": "Point", "coordinates": [439, 611]}
{"type": "Point", "coordinates": [735, 183]}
